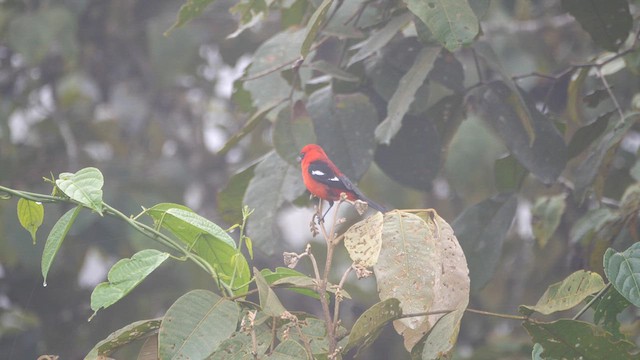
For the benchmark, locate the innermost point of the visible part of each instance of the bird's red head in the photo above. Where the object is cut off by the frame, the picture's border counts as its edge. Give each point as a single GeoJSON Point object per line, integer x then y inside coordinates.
{"type": "Point", "coordinates": [313, 149]}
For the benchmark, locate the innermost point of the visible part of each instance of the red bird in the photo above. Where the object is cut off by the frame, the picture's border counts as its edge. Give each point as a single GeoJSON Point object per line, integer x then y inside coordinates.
{"type": "Point", "coordinates": [323, 179]}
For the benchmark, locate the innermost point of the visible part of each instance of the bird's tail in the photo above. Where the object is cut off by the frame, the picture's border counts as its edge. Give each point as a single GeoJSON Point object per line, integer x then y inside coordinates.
{"type": "Point", "coordinates": [372, 204]}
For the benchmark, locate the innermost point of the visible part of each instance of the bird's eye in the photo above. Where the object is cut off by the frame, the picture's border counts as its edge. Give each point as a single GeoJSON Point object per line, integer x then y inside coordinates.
{"type": "Point", "coordinates": [300, 156]}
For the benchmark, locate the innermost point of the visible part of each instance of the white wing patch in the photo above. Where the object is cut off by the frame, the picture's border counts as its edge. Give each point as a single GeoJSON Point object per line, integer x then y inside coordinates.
{"type": "Point", "coordinates": [321, 174]}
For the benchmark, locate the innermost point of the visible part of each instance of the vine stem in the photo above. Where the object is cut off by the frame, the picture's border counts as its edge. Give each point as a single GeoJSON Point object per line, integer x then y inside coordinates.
{"type": "Point", "coordinates": [593, 300]}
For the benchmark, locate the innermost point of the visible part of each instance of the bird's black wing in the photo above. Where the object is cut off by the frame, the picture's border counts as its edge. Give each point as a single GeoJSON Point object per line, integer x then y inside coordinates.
{"type": "Point", "coordinates": [322, 173]}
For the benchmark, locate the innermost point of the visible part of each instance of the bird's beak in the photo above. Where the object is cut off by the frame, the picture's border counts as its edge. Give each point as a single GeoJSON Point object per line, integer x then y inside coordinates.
{"type": "Point", "coordinates": [299, 157]}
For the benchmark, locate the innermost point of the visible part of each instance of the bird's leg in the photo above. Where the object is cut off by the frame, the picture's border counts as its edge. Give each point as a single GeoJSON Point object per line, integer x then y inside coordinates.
{"type": "Point", "coordinates": [321, 220]}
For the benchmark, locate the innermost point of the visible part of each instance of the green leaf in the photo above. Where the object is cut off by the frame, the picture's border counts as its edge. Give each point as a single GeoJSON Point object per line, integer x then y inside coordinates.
{"type": "Point", "coordinates": [545, 218]}
{"type": "Point", "coordinates": [30, 215]}
{"type": "Point", "coordinates": [292, 130]}
{"type": "Point", "coordinates": [314, 331]}
{"type": "Point", "coordinates": [508, 173]}
{"type": "Point", "coordinates": [288, 350]}
{"type": "Point", "coordinates": [196, 324]}
{"type": "Point", "coordinates": [123, 336]}
{"type": "Point", "coordinates": [189, 11]}
{"type": "Point", "coordinates": [586, 135]}
{"type": "Point", "coordinates": [500, 107]}
{"type": "Point", "coordinates": [315, 24]}
{"type": "Point", "coordinates": [439, 342]}
{"type": "Point", "coordinates": [405, 93]}
{"type": "Point", "coordinates": [379, 38]}
{"type": "Point", "coordinates": [568, 293]}
{"type": "Point", "coordinates": [230, 197]}
{"type": "Point", "coordinates": [600, 155]}
{"type": "Point", "coordinates": [55, 238]}
{"type": "Point", "coordinates": [281, 274]}
{"type": "Point", "coordinates": [370, 324]}
{"type": "Point", "coordinates": [266, 84]}
{"type": "Point", "coordinates": [344, 126]}
{"type": "Point", "coordinates": [85, 187]}
{"type": "Point", "coordinates": [425, 134]}
{"type": "Point", "coordinates": [608, 22]}
{"type": "Point", "coordinates": [269, 301]}
{"type": "Point", "coordinates": [202, 224]}
{"type": "Point", "coordinates": [570, 339]}
{"type": "Point", "coordinates": [482, 229]}
{"type": "Point", "coordinates": [239, 346]}
{"type": "Point", "coordinates": [623, 270]}
{"type": "Point", "coordinates": [124, 276]}
{"type": "Point", "coordinates": [452, 22]}
{"type": "Point", "coordinates": [275, 182]}
{"type": "Point", "coordinates": [606, 311]}
{"type": "Point", "coordinates": [207, 240]}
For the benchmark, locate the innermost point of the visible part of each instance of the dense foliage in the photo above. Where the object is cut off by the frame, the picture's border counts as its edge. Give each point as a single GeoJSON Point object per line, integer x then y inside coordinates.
{"type": "Point", "coordinates": [514, 120]}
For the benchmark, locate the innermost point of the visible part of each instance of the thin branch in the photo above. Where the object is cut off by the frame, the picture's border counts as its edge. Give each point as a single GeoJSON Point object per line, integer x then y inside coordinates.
{"type": "Point", "coordinates": [503, 316]}
{"type": "Point", "coordinates": [593, 300]}
{"type": "Point", "coordinates": [608, 88]}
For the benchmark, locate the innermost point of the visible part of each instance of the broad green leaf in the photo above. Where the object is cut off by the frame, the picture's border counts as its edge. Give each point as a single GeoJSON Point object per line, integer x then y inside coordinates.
{"type": "Point", "coordinates": [275, 182]}
{"type": "Point", "coordinates": [369, 325]}
{"type": "Point", "coordinates": [585, 136]}
{"type": "Point", "coordinates": [452, 22]}
{"type": "Point", "coordinates": [591, 223]}
{"type": "Point", "coordinates": [379, 38]}
{"type": "Point", "coordinates": [55, 238]}
{"type": "Point", "coordinates": [600, 154]}
{"type": "Point", "coordinates": [202, 224]}
{"type": "Point", "coordinates": [207, 240]}
{"type": "Point", "coordinates": [196, 324]}
{"type": "Point", "coordinates": [316, 22]}
{"type": "Point", "coordinates": [315, 332]}
{"type": "Point", "coordinates": [264, 80]}
{"type": "Point", "coordinates": [190, 10]}
{"type": "Point", "coordinates": [230, 197]}
{"type": "Point", "coordinates": [482, 229]}
{"type": "Point", "coordinates": [363, 240]}
{"type": "Point", "coordinates": [341, 23]}
{"type": "Point", "coordinates": [516, 100]}
{"type": "Point", "coordinates": [281, 274]}
{"type": "Point", "coordinates": [239, 346]}
{"type": "Point", "coordinates": [608, 22]}
{"type": "Point", "coordinates": [422, 265]}
{"type": "Point", "coordinates": [292, 130]}
{"type": "Point", "coordinates": [123, 336]}
{"type": "Point", "coordinates": [607, 309]}
{"type": "Point", "coordinates": [501, 108]}
{"type": "Point", "coordinates": [124, 276]}
{"type": "Point", "coordinates": [269, 301]}
{"type": "Point", "coordinates": [288, 350]}
{"type": "Point", "coordinates": [403, 97]}
{"type": "Point", "coordinates": [439, 342]}
{"type": "Point", "coordinates": [85, 187]}
{"type": "Point", "coordinates": [30, 215]}
{"type": "Point", "coordinates": [623, 270]}
{"type": "Point", "coordinates": [508, 173]}
{"type": "Point", "coordinates": [571, 339]}
{"type": "Point", "coordinates": [426, 135]}
{"type": "Point", "coordinates": [545, 218]}
{"type": "Point", "coordinates": [344, 126]}
{"type": "Point", "coordinates": [568, 293]}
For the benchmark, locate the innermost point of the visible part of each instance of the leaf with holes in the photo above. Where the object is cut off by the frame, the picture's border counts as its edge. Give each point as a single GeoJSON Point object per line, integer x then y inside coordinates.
{"type": "Point", "coordinates": [123, 336]}
{"type": "Point", "coordinates": [567, 293]}
{"type": "Point", "coordinates": [363, 240]}
{"type": "Point", "coordinates": [571, 339]}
